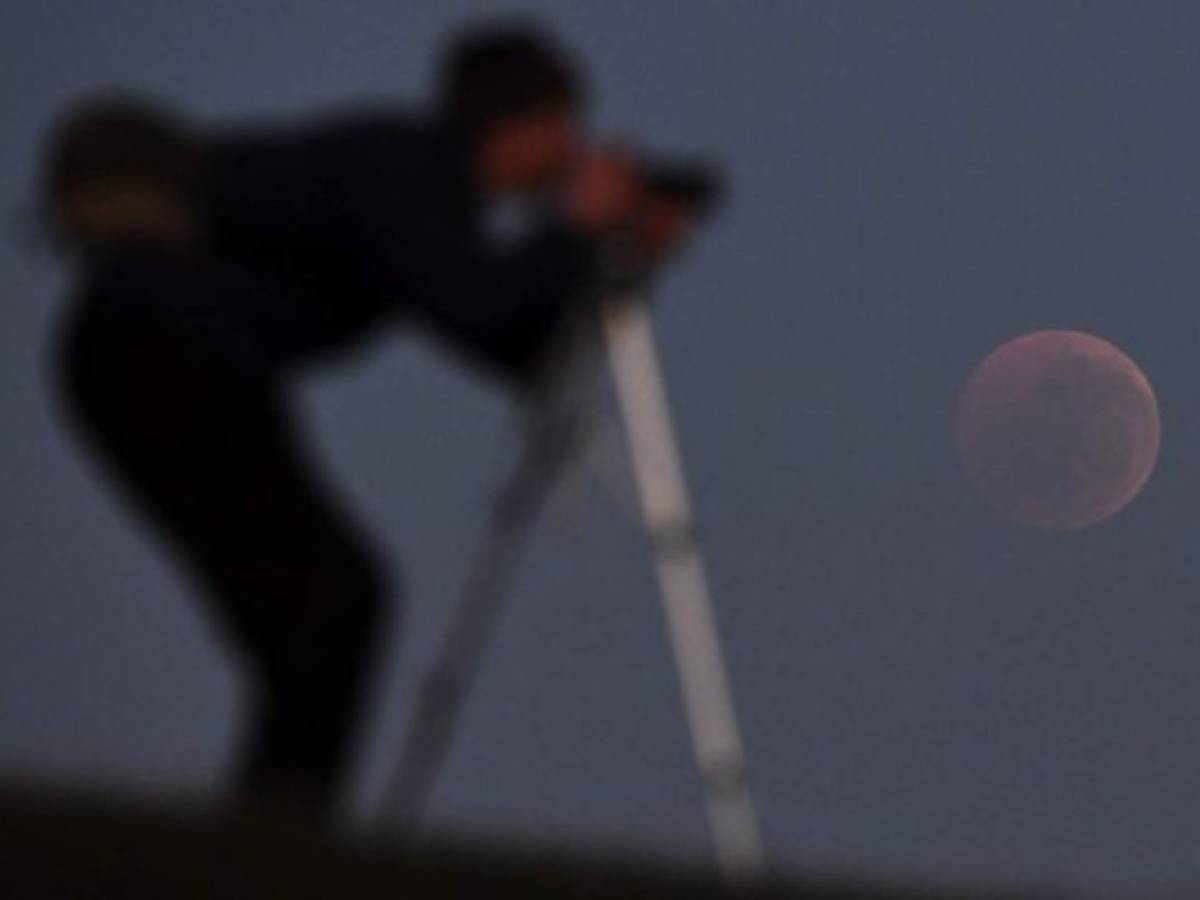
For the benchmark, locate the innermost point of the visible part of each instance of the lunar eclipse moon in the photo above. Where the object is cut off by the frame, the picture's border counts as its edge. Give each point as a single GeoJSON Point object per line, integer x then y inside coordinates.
{"type": "Point", "coordinates": [1058, 429]}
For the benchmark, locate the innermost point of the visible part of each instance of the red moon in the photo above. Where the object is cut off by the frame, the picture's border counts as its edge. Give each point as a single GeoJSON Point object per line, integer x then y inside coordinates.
{"type": "Point", "coordinates": [1058, 429]}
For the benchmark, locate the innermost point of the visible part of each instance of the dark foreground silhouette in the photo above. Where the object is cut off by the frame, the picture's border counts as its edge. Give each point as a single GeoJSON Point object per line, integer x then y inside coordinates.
{"type": "Point", "coordinates": [63, 847]}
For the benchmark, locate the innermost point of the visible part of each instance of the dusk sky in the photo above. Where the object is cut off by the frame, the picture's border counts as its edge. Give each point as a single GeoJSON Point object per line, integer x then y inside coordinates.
{"type": "Point", "coordinates": [923, 685]}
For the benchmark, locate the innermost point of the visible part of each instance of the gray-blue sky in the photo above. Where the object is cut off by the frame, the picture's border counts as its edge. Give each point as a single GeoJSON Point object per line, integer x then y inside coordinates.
{"type": "Point", "coordinates": [923, 686]}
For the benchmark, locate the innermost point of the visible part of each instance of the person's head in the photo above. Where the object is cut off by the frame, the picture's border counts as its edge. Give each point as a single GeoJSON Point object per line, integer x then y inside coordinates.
{"type": "Point", "coordinates": [518, 98]}
{"type": "Point", "coordinates": [117, 167]}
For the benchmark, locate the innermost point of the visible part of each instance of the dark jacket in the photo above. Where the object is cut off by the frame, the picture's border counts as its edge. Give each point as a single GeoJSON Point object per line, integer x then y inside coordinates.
{"type": "Point", "coordinates": [377, 217]}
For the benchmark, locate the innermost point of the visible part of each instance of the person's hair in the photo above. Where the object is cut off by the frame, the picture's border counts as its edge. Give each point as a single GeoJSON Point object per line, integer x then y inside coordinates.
{"type": "Point", "coordinates": [499, 71]}
{"type": "Point", "coordinates": [113, 139]}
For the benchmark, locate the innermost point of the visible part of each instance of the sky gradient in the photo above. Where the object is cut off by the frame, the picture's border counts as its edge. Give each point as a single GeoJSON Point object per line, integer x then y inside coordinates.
{"type": "Point", "coordinates": [923, 686]}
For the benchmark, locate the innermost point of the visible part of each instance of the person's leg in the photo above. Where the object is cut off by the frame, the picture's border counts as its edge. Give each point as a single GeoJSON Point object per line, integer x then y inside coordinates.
{"type": "Point", "coordinates": [211, 457]}
{"type": "Point", "coordinates": [311, 603]}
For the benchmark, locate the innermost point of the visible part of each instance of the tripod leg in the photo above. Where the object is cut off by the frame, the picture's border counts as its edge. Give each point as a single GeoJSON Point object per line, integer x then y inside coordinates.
{"type": "Point", "coordinates": [462, 649]}
{"type": "Point", "coordinates": [667, 514]}
{"type": "Point", "coordinates": [554, 434]}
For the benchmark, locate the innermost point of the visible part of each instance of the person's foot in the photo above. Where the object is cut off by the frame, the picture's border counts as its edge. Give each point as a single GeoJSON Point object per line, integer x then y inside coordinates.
{"type": "Point", "coordinates": [291, 805]}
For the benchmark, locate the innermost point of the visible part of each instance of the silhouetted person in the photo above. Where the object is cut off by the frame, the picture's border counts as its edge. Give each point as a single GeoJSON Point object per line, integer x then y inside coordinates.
{"type": "Point", "coordinates": [212, 267]}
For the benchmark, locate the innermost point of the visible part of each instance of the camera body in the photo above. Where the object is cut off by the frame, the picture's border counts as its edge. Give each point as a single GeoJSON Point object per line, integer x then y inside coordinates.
{"type": "Point", "coordinates": [694, 185]}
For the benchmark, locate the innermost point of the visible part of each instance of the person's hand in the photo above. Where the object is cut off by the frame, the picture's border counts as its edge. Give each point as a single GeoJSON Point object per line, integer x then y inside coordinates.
{"type": "Point", "coordinates": [603, 193]}
{"type": "Point", "coordinates": [649, 237]}
{"type": "Point", "coordinates": [660, 225]}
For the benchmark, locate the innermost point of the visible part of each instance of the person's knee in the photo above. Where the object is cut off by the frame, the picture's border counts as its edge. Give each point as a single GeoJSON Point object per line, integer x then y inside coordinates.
{"type": "Point", "coordinates": [367, 598]}
{"type": "Point", "coordinates": [329, 627]}
{"type": "Point", "coordinates": [361, 598]}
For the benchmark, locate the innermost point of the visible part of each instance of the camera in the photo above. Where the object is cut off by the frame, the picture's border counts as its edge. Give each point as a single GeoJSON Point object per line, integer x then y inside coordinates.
{"type": "Point", "coordinates": [694, 185]}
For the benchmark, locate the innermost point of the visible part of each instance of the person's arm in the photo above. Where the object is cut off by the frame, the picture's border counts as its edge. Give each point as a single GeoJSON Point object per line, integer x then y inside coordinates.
{"type": "Point", "coordinates": [504, 309]}
{"type": "Point", "coordinates": [501, 308]}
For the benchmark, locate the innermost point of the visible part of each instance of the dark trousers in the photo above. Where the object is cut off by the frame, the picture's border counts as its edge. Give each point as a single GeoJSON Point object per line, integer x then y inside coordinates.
{"type": "Point", "coordinates": [203, 446]}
